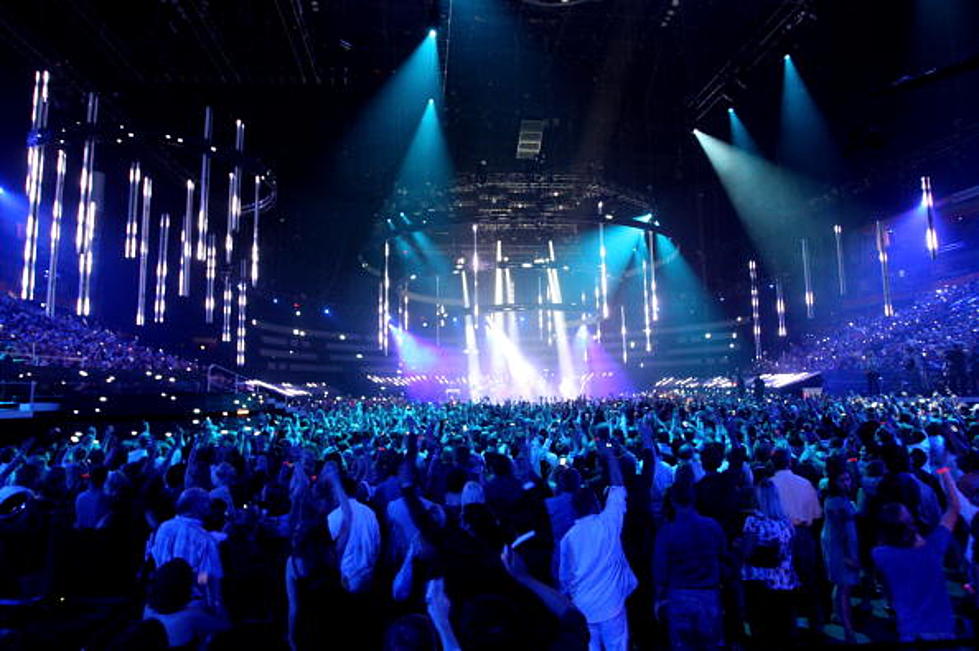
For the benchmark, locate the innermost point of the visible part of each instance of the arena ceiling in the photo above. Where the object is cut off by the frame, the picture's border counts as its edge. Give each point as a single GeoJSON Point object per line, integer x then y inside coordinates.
{"type": "Point", "coordinates": [618, 80]}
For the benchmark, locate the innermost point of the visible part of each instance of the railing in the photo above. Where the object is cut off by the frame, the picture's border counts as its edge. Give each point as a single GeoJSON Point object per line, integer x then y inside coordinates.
{"type": "Point", "coordinates": [220, 378]}
{"type": "Point", "coordinates": [9, 393]}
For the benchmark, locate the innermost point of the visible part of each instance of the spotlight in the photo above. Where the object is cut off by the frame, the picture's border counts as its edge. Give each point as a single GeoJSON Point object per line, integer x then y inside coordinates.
{"type": "Point", "coordinates": [2, 191]}
{"type": "Point", "coordinates": [326, 311]}
{"type": "Point", "coordinates": [787, 57]}
{"type": "Point", "coordinates": [730, 110]}
{"type": "Point", "coordinates": [432, 33]}
{"type": "Point", "coordinates": [431, 100]}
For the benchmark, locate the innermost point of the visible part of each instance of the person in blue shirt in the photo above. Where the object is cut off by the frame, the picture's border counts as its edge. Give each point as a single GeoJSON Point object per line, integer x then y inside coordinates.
{"type": "Point", "coordinates": [687, 570]}
{"type": "Point", "coordinates": [913, 569]}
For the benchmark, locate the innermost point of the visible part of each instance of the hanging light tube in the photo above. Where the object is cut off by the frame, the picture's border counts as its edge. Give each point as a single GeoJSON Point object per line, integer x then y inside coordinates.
{"type": "Point", "coordinates": [57, 210]}
{"type": "Point", "coordinates": [160, 301]}
{"type": "Point", "coordinates": [202, 213]}
{"type": "Point", "coordinates": [755, 313]}
{"type": "Point", "coordinates": [144, 250]}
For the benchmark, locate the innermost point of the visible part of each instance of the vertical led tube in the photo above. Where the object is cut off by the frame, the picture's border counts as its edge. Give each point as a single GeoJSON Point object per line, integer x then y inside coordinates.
{"type": "Point", "coordinates": [647, 330]}
{"type": "Point", "coordinates": [807, 277]}
{"type": "Point", "coordinates": [625, 335]}
{"type": "Point", "coordinates": [755, 316]}
{"type": "Point", "coordinates": [160, 301]}
{"type": "Point", "coordinates": [83, 306]}
{"type": "Point", "coordinates": [603, 269]}
{"type": "Point", "coordinates": [242, 332]}
{"type": "Point", "coordinates": [385, 342]}
{"type": "Point", "coordinates": [186, 243]}
{"type": "Point", "coordinates": [211, 268]}
{"type": "Point", "coordinates": [511, 315]}
{"type": "Point", "coordinates": [556, 329]}
{"type": "Point", "coordinates": [132, 212]}
{"type": "Point", "coordinates": [35, 182]}
{"type": "Point", "coordinates": [404, 307]}
{"type": "Point", "coordinates": [780, 309]}
{"type": "Point", "coordinates": [226, 298]}
{"type": "Point", "coordinates": [229, 240]}
{"type": "Point", "coordinates": [438, 311]}
{"type": "Point", "coordinates": [540, 309]}
{"type": "Point", "coordinates": [931, 235]}
{"type": "Point", "coordinates": [885, 279]}
{"type": "Point", "coordinates": [653, 296]}
{"type": "Point", "coordinates": [202, 213]}
{"type": "Point", "coordinates": [598, 310]}
{"type": "Point", "coordinates": [840, 268]}
{"type": "Point", "coordinates": [255, 216]}
{"type": "Point", "coordinates": [380, 314]}
{"type": "Point", "coordinates": [239, 152]}
{"type": "Point", "coordinates": [499, 295]}
{"type": "Point", "coordinates": [465, 291]}
{"type": "Point", "coordinates": [56, 213]}
{"type": "Point", "coordinates": [549, 316]}
{"type": "Point", "coordinates": [475, 297]}
{"type": "Point", "coordinates": [144, 249]}
{"type": "Point", "coordinates": [88, 164]}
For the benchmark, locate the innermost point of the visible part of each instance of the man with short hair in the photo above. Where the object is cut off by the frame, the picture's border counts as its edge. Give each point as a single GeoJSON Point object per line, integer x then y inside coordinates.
{"type": "Point", "coordinates": [184, 536]}
{"type": "Point", "coordinates": [93, 504]}
{"type": "Point", "coordinates": [687, 570]}
{"type": "Point", "coordinates": [800, 501]}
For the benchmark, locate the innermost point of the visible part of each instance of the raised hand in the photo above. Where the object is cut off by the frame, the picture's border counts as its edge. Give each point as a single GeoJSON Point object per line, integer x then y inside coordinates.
{"type": "Point", "coordinates": [437, 602]}
{"type": "Point", "coordinates": [514, 564]}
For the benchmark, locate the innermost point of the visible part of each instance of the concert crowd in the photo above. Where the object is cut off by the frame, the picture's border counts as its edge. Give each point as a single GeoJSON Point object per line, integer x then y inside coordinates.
{"type": "Point", "coordinates": [686, 520]}
{"type": "Point", "coordinates": [930, 344]}
{"type": "Point", "coordinates": [28, 334]}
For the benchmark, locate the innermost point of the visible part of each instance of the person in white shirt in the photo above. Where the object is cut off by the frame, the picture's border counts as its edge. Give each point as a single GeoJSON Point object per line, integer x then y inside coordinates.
{"type": "Point", "coordinates": [799, 498]}
{"type": "Point", "coordinates": [358, 543]}
{"type": "Point", "coordinates": [800, 502]}
{"type": "Point", "coordinates": [593, 569]}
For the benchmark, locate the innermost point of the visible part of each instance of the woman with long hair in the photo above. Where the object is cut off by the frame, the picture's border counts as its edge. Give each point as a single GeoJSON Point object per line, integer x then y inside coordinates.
{"type": "Point", "coordinates": [839, 544]}
{"type": "Point", "coordinates": [769, 578]}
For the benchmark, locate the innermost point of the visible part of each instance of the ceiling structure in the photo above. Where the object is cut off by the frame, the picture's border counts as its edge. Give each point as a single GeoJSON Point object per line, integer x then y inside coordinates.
{"type": "Point", "coordinates": [619, 83]}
